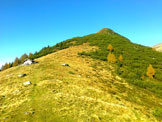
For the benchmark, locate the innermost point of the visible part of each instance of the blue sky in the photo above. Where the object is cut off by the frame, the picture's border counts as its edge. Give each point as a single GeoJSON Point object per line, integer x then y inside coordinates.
{"type": "Point", "coordinates": [28, 25]}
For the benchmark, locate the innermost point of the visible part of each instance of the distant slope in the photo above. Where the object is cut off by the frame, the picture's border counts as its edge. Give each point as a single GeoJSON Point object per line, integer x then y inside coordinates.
{"type": "Point", "coordinates": [87, 91]}
{"type": "Point", "coordinates": [158, 47]}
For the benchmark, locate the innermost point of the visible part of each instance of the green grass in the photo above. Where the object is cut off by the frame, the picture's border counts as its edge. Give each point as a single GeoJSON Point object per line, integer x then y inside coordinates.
{"type": "Point", "coordinates": [136, 57]}
{"type": "Point", "coordinates": [89, 90]}
{"type": "Point", "coordinates": [158, 112]}
{"type": "Point", "coordinates": [91, 93]}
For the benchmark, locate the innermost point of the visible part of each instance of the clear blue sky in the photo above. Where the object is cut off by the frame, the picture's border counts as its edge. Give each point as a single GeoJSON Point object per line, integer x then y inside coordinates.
{"type": "Point", "coordinates": [28, 25]}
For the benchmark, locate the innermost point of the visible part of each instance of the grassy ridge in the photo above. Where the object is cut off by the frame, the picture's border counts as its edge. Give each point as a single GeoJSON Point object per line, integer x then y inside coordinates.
{"type": "Point", "coordinates": [87, 91]}
{"type": "Point", "coordinates": [136, 57]}
{"type": "Point", "coordinates": [136, 60]}
{"type": "Point", "coordinates": [135, 63]}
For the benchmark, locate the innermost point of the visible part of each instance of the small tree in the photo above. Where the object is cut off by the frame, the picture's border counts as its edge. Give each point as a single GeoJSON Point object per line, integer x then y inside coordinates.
{"type": "Point", "coordinates": [150, 71]}
{"type": "Point", "coordinates": [30, 55]}
{"type": "Point", "coordinates": [16, 62]}
{"type": "Point", "coordinates": [23, 57]}
{"type": "Point", "coordinates": [111, 58]}
{"type": "Point", "coordinates": [11, 64]}
{"type": "Point", "coordinates": [2, 68]}
{"type": "Point", "coordinates": [110, 48]}
{"type": "Point", "coordinates": [120, 58]}
{"type": "Point", "coordinates": [6, 66]}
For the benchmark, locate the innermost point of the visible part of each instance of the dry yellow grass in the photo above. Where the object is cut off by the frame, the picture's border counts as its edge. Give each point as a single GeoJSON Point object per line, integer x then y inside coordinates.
{"type": "Point", "coordinates": [87, 91]}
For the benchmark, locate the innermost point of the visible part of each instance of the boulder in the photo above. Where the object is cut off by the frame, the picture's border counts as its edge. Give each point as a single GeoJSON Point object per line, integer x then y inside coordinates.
{"type": "Point", "coordinates": [65, 65]}
{"type": "Point", "coordinates": [27, 83]}
{"type": "Point", "coordinates": [22, 75]}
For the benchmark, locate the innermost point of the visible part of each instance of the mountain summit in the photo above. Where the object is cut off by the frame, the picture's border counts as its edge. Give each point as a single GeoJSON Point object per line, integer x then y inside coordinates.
{"type": "Point", "coordinates": [106, 31]}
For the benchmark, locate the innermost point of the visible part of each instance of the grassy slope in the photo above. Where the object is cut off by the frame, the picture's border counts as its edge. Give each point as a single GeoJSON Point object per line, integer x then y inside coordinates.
{"type": "Point", "coordinates": [158, 47]}
{"type": "Point", "coordinates": [136, 57]}
{"type": "Point", "coordinates": [87, 91]}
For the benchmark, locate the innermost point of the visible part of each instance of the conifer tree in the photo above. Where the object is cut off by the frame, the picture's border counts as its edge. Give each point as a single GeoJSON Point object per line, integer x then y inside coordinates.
{"type": "Point", "coordinates": [150, 71]}
{"type": "Point", "coordinates": [23, 57]}
{"type": "Point", "coordinates": [111, 58]}
{"type": "Point", "coordinates": [30, 55]}
{"type": "Point", "coordinates": [16, 62]}
{"type": "Point", "coordinates": [2, 68]}
{"type": "Point", "coordinates": [110, 48]}
{"type": "Point", "coordinates": [6, 66]}
{"type": "Point", "coordinates": [10, 65]}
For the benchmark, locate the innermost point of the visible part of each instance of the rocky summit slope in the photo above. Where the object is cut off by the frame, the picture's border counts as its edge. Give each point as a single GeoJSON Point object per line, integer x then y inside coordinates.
{"type": "Point", "coordinates": [88, 90]}
{"type": "Point", "coordinates": [158, 47]}
{"type": "Point", "coordinates": [106, 31]}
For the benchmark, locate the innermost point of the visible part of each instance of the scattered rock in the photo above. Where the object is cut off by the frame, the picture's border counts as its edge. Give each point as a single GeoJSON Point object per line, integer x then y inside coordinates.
{"type": "Point", "coordinates": [33, 112]}
{"type": "Point", "coordinates": [117, 98]}
{"type": "Point", "coordinates": [35, 84]}
{"type": "Point", "coordinates": [121, 104]}
{"type": "Point", "coordinates": [5, 117]}
{"type": "Point", "coordinates": [26, 113]}
{"type": "Point", "coordinates": [27, 83]}
{"type": "Point", "coordinates": [65, 65]}
{"type": "Point", "coordinates": [9, 75]}
{"type": "Point", "coordinates": [16, 91]}
{"type": "Point", "coordinates": [79, 76]}
{"type": "Point", "coordinates": [88, 76]}
{"type": "Point", "coordinates": [59, 81]}
{"type": "Point", "coordinates": [22, 75]}
{"type": "Point", "coordinates": [2, 97]}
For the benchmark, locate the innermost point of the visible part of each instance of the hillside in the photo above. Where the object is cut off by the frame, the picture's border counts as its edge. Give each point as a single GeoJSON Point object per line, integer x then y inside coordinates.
{"type": "Point", "coordinates": [158, 47]}
{"type": "Point", "coordinates": [90, 89]}
{"type": "Point", "coordinates": [136, 57]}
